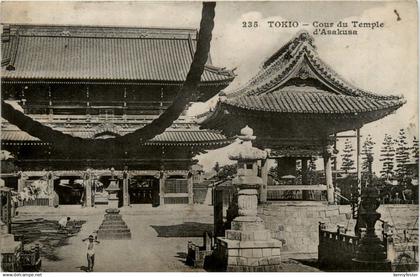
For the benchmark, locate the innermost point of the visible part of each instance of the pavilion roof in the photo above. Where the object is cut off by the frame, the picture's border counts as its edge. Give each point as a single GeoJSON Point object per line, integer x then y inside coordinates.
{"type": "Point", "coordinates": [296, 80]}
{"type": "Point", "coordinates": [86, 53]}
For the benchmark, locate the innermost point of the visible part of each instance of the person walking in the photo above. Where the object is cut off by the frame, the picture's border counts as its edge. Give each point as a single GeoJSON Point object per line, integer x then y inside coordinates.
{"type": "Point", "coordinates": [90, 242]}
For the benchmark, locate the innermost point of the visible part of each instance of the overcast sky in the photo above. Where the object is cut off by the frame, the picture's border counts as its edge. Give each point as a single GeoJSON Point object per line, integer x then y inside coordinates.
{"type": "Point", "coordinates": [382, 61]}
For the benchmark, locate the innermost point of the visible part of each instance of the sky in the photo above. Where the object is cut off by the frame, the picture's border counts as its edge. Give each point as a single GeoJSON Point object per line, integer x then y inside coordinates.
{"type": "Point", "coordinates": [382, 60]}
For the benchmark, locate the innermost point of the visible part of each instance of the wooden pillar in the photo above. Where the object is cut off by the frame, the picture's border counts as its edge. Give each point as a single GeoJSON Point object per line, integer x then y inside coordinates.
{"type": "Point", "coordinates": [328, 173]}
{"type": "Point", "coordinates": [358, 165]}
{"type": "Point", "coordinates": [264, 177]}
{"type": "Point", "coordinates": [87, 182]}
{"type": "Point", "coordinates": [9, 211]}
{"type": "Point", "coordinates": [190, 188]}
{"type": "Point", "coordinates": [305, 193]}
{"type": "Point", "coordinates": [50, 185]}
{"type": "Point", "coordinates": [126, 196]}
{"type": "Point", "coordinates": [162, 188]}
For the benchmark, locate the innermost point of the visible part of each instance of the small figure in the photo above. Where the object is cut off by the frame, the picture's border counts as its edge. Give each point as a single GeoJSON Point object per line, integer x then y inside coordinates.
{"type": "Point", "coordinates": [63, 222]}
{"type": "Point", "coordinates": [90, 251]}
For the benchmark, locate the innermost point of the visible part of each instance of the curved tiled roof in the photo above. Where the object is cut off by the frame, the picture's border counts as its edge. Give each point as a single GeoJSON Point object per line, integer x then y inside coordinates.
{"type": "Point", "coordinates": [296, 80]}
{"type": "Point", "coordinates": [102, 53]}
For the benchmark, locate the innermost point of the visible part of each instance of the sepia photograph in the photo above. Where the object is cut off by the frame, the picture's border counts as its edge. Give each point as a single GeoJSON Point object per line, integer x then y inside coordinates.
{"type": "Point", "coordinates": [228, 136]}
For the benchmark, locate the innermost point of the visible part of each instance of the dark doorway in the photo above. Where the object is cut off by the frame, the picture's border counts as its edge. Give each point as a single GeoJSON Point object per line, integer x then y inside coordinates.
{"type": "Point", "coordinates": [69, 190]}
{"type": "Point", "coordinates": [144, 190]}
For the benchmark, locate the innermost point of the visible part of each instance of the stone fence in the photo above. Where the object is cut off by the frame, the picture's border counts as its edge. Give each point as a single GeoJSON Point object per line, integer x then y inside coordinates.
{"type": "Point", "coordinates": [336, 249]}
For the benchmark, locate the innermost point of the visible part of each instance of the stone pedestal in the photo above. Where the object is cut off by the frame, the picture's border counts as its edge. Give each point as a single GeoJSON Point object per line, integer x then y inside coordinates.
{"type": "Point", "coordinates": [113, 227]}
{"type": "Point", "coordinates": [248, 246]}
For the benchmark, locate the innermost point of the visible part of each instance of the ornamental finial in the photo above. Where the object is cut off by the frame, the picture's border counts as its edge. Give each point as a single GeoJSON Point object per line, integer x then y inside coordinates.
{"type": "Point", "coordinates": [247, 134]}
{"type": "Point", "coordinates": [245, 150]}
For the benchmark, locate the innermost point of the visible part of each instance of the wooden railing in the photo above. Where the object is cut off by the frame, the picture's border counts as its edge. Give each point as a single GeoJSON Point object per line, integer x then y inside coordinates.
{"type": "Point", "coordinates": [296, 192]}
{"type": "Point", "coordinates": [36, 202]}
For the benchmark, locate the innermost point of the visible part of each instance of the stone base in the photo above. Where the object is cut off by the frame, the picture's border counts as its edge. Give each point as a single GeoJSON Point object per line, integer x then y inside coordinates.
{"type": "Point", "coordinates": [113, 227]}
{"type": "Point", "coordinates": [372, 266]}
{"type": "Point", "coordinates": [250, 255]}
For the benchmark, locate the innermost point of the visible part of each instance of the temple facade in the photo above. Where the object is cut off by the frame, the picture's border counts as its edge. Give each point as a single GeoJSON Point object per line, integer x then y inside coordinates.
{"type": "Point", "coordinates": [104, 82]}
{"type": "Point", "coordinates": [296, 105]}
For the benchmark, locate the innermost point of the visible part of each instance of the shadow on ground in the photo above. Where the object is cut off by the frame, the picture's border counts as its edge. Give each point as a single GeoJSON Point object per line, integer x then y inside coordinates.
{"type": "Point", "coordinates": [46, 233]}
{"type": "Point", "coordinates": [186, 229]}
{"type": "Point", "coordinates": [83, 268]}
{"type": "Point", "coordinates": [182, 257]}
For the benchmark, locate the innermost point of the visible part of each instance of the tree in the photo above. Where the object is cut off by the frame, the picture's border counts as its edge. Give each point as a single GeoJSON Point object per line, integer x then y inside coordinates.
{"type": "Point", "coordinates": [227, 171]}
{"type": "Point", "coordinates": [347, 162]}
{"type": "Point", "coordinates": [415, 150]}
{"type": "Point", "coordinates": [367, 149]}
{"type": "Point", "coordinates": [216, 167]}
{"type": "Point", "coordinates": [401, 155]}
{"type": "Point", "coordinates": [387, 156]}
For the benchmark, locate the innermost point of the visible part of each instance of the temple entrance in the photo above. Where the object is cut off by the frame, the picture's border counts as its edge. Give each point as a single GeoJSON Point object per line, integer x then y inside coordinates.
{"type": "Point", "coordinates": [144, 190]}
{"type": "Point", "coordinates": [70, 190]}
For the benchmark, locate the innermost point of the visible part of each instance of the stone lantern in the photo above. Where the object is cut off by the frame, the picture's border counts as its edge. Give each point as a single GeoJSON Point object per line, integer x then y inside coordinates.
{"type": "Point", "coordinates": [112, 190]}
{"type": "Point", "coordinates": [113, 226]}
{"type": "Point", "coordinates": [248, 246]}
{"type": "Point", "coordinates": [371, 253]}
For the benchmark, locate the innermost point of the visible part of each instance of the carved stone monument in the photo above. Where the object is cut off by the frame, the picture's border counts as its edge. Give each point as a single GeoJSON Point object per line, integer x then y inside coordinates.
{"type": "Point", "coordinates": [248, 246]}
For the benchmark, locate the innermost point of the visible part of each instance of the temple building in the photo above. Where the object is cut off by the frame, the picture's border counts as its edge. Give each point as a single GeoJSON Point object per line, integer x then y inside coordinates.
{"type": "Point", "coordinates": [296, 105]}
{"type": "Point", "coordinates": [102, 82]}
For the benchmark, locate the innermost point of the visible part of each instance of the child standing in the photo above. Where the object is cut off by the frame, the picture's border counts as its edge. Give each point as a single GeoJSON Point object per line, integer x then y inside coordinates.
{"type": "Point", "coordinates": [91, 241]}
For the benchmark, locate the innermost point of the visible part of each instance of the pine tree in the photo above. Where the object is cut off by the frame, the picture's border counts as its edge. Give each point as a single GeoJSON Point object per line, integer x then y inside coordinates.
{"type": "Point", "coordinates": [415, 150]}
{"type": "Point", "coordinates": [401, 154]}
{"type": "Point", "coordinates": [347, 162]}
{"type": "Point", "coordinates": [387, 156]}
{"type": "Point", "coordinates": [367, 149]}
{"type": "Point", "coordinates": [216, 167]}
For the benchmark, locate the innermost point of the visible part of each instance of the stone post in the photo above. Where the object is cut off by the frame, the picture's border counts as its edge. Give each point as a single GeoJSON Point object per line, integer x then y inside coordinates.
{"type": "Point", "coordinates": [328, 151]}
{"type": "Point", "coordinates": [126, 196]}
{"type": "Point", "coordinates": [50, 185]}
{"type": "Point", "coordinates": [264, 177]}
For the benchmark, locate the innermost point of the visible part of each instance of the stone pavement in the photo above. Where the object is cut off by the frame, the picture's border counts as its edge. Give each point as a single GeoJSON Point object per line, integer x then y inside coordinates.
{"type": "Point", "coordinates": [159, 238]}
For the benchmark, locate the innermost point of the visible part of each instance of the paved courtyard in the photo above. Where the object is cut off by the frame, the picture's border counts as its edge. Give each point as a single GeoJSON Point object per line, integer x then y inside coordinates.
{"type": "Point", "coordinates": [159, 238]}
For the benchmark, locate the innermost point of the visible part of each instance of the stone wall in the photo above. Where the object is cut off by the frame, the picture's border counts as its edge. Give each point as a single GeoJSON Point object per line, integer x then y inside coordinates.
{"type": "Point", "coordinates": [296, 224]}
